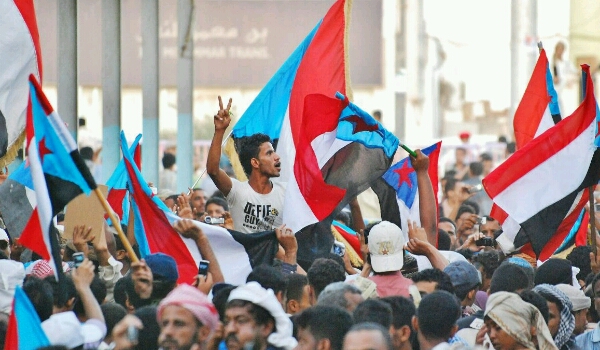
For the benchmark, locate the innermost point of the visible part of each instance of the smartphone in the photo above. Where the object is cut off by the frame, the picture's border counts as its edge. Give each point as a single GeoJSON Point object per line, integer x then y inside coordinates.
{"type": "Point", "coordinates": [485, 242]}
{"type": "Point", "coordinates": [338, 248]}
{"type": "Point", "coordinates": [203, 267]}
{"type": "Point", "coordinates": [132, 334]}
{"type": "Point", "coordinates": [481, 220]}
{"type": "Point", "coordinates": [597, 207]}
{"type": "Point", "coordinates": [213, 221]}
{"type": "Point", "coordinates": [475, 189]}
{"type": "Point", "coordinates": [78, 259]}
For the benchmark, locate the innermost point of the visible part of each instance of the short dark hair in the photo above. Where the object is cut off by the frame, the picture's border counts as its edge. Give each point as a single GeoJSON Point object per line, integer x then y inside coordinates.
{"type": "Point", "coordinates": [260, 315]}
{"type": "Point", "coordinates": [489, 261]}
{"type": "Point", "coordinates": [218, 201]}
{"type": "Point", "coordinates": [476, 168]}
{"type": "Point", "coordinates": [323, 272]}
{"type": "Point", "coordinates": [168, 160]}
{"type": "Point", "coordinates": [63, 290]}
{"type": "Point", "coordinates": [469, 203]}
{"type": "Point", "coordinates": [464, 208]}
{"type": "Point", "coordinates": [450, 184]}
{"type": "Point", "coordinates": [113, 314]}
{"type": "Point", "coordinates": [250, 148]}
{"type": "Point", "coordinates": [326, 322]}
{"type": "Point", "coordinates": [41, 295]}
{"type": "Point", "coordinates": [148, 336]}
{"type": "Point", "coordinates": [444, 241]}
{"type": "Point", "coordinates": [87, 152]}
{"type": "Point", "coordinates": [538, 301]}
{"type": "Point", "coordinates": [580, 257]}
{"type": "Point", "coordinates": [509, 277]}
{"type": "Point", "coordinates": [219, 299]}
{"type": "Point", "coordinates": [485, 157]}
{"type": "Point", "coordinates": [372, 310]}
{"type": "Point", "coordinates": [437, 314]}
{"type": "Point", "coordinates": [403, 309]}
{"type": "Point", "coordinates": [98, 289]}
{"type": "Point", "coordinates": [269, 278]}
{"type": "Point", "coordinates": [444, 282]}
{"type": "Point", "coordinates": [295, 286]}
{"type": "Point", "coordinates": [372, 326]}
{"type": "Point", "coordinates": [445, 219]}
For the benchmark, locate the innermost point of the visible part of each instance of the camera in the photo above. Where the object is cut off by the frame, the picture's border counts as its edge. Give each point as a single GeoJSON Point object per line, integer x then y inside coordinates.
{"type": "Point", "coordinates": [481, 221]}
{"type": "Point", "coordinates": [213, 221]}
{"type": "Point", "coordinates": [485, 242]}
{"type": "Point", "coordinates": [203, 267]}
{"type": "Point", "coordinates": [78, 259]}
{"type": "Point", "coordinates": [338, 248]}
{"type": "Point", "coordinates": [475, 189]}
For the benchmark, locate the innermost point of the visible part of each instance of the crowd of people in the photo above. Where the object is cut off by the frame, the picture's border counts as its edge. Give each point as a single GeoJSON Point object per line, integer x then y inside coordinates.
{"type": "Point", "coordinates": [441, 286]}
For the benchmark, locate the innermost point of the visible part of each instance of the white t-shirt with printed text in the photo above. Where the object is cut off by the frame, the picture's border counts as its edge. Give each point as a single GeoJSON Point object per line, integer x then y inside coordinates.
{"type": "Point", "coordinates": [254, 212]}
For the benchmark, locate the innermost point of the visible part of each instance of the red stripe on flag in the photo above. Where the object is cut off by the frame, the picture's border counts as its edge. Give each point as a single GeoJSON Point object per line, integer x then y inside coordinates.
{"type": "Point", "coordinates": [563, 230]}
{"type": "Point", "coordinates": [161, 236]}
{"type": "Point", "coordinates": [535, 100]}
{"type": "Point", "coordinates": [46, 106]}
{"type": "Point", "coordinates": [350, 238]}
{"type": "Point", "coordinates": [322, 71]}
{"type": "Point", "coordinates": [12, 333]}
{"type": "Point", "coordinates": [540, 149]}
{"type": "Point", "coordinates": [27, 11]}
{"type": "Point", "coordinates": [33, 236]}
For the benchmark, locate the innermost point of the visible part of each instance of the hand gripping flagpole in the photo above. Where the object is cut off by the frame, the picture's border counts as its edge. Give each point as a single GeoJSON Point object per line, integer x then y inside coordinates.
{"type": "Point", "coordinates": [116, 225]}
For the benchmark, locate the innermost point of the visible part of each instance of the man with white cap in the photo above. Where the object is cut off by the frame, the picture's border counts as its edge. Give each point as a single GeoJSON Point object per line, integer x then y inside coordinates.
{"type": "Point", "coordinates": [186, 317]}
{"type": "Point", "coordinates": [4, 243]}
{"type": "Point", "coordinates": [581, 304]}
{"type": "Point", "coordinates": [386, 256]}
{"type": "Point", "coordinates": [254, 317]}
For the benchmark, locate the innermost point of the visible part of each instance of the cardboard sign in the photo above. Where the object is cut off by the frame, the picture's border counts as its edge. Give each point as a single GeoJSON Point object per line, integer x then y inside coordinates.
{"type": "Point", "coordinates": [86, 210]}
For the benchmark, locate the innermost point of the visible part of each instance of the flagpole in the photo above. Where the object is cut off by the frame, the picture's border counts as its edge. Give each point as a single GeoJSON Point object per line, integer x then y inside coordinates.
{"type": "Point", "coordinates": [204, 171]}
{"type": "Point", "coordinates": [116, 225]}
{"type": "Point", "coordinates": [592, 209]}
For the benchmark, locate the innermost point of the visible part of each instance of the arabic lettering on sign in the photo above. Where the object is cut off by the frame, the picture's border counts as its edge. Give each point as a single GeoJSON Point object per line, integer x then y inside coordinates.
{"type": "Point", "coordinates": [221, 52]}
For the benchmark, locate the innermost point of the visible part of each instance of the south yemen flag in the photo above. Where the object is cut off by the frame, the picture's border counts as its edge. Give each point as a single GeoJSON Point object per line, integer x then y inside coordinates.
{"type": "Point", "coordinates": [24, 326]}
{"type": "Point", "coordinates": [542, 182]}
{"type": "Point", "coordinates": [58, 172]}
{"type": "Point", "coordinates": [20, 56]}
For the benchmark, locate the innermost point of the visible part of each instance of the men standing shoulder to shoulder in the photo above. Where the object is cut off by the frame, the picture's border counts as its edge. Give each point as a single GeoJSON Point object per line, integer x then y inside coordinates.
{"type": "Point", "coordinates": [257, 204]}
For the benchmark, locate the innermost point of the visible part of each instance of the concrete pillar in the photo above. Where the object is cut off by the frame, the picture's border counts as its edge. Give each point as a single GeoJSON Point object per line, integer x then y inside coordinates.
{"type": "Point", "coordinates": [67, 64]}
{"type": "Point", "coordinates": [185, 93]}
{"type": "Point", "coordinates": [111, 86]}
{"type": "Point", "coordinates": [150, 88]}
{"type": "Point", "coordinates": [523, 49]}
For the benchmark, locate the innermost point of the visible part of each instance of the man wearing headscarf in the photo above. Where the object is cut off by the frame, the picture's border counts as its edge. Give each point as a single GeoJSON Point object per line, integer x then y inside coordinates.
{"type": "Point", "coordinates": [515, 324]}
{"type": "Point", "coordinates": [186, 317]}
{"type": "Point", "coordinates": [561, 321]}
{"type": "Point", "coordinates": [254, 317]}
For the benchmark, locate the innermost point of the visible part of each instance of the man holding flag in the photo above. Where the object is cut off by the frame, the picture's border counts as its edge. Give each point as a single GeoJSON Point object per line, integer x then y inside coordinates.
{"type": "Point", "coordinates": [257, 204]}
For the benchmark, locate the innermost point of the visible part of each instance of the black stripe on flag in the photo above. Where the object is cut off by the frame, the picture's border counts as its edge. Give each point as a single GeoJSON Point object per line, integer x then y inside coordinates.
{"type": "Point", "coordinates": [539, 228]}
{"type": "Point", "coordinates": [83, 169]}
{"type": "Point", "coordinates": [261, 247]}
{"type": "Point", "coordinates": [3, 136]}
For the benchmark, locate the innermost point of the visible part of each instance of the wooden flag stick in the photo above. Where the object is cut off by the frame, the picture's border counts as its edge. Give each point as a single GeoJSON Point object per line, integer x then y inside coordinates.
{"type": "Point", "coordinates": [116, 225]}
{"type": "Point", "coordinates": [593, 219]}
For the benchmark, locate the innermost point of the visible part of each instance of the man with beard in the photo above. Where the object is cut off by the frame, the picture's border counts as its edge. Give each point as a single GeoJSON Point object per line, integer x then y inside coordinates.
{"type": "Point", "coordinates": [257, 204]}
{"type": "Point", "coordinates": [254, 318]}
{"type": "Point", "coordinates": [186, 318]}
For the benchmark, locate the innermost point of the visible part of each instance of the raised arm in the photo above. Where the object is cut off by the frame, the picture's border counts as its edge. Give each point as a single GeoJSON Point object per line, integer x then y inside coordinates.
{"type": "Point", "coordinates": [218, 175]}
{"type": "Point", "coordinates": [427, 204]}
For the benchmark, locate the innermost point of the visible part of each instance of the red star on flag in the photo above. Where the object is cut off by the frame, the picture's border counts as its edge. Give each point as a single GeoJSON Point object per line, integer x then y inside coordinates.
{"type": "Point", "coordinates": [403, 174]}
{"type": "Point", "coordinates": [43, 149]}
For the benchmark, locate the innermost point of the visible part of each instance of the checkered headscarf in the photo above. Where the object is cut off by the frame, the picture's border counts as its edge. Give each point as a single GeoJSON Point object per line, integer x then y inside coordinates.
{"type": "Point", "coordinates": [567, 320]}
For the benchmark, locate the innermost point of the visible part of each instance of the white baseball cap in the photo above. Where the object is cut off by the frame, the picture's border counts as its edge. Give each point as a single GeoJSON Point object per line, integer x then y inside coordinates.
{"type": "Point", "coordinates": [3, 235]}
{"type": "Point", "coordinates": [386, 243]}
